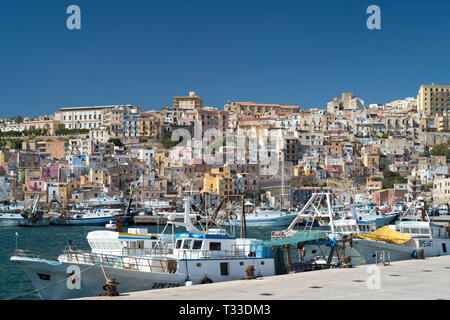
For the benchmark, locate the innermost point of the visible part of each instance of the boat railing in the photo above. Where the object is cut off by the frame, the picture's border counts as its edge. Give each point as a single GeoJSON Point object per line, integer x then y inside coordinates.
{"type": "Point", "coordinates": [148, 251]}
{"type": "Point", "coordinates": [129, 262]}
{"type": "Point", "coordinates": [31, 255]}
{"type": "Point", "coordinates": [237, 251]}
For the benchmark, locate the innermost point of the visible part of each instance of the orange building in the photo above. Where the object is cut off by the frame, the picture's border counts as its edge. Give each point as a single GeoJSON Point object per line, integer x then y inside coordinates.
{"type": "Point", "coordinates": [56, 149]}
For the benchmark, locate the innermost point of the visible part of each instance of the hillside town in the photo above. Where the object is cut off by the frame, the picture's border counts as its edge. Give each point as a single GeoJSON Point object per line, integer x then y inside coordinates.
{"type": "Point", "coordinates": [377, 153]}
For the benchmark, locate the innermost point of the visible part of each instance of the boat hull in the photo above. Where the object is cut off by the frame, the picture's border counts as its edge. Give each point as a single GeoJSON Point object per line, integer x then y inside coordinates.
{"type": "Point", "coordinates": [364, 251]}
{"type": "Point", "coordinates": [96, 221]}
{"type": "Point", "coordinates": [91, 279]}
{"type": "Point", "coordinates": [53, 279]}
{"type": "Point", "coordinates": [264, 221]}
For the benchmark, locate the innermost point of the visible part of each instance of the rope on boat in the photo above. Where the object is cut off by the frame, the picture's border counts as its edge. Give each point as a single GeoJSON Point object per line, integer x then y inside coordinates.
{"type": "Point", "coordinates": [51, 285]}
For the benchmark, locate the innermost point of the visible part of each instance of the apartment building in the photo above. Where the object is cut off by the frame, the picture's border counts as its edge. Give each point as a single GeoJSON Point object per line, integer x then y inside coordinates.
{"type": "Point", "coordinates": [191, 102]}
{"type": "Point", "coordinates": [433, 99]}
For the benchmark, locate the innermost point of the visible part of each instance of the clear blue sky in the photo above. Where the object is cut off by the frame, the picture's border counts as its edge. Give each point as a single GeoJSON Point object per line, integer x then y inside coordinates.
{"type": "Point", "coordinates": [146, 52]}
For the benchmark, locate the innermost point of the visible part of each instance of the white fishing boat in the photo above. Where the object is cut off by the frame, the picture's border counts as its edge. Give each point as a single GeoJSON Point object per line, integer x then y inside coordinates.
{"type": "Point", "coordinates": [139, 261]}
{"type": "Point", "coordinates": [157, 205]}
{"type": "Point", "coordinates": [405, 239]}
{"type": "Point", "coordinates": [104, 201]}
{"type": "Point", "coordinates": [368, 244]}
{"type": "Point", "coordinates": [264, 216]}
{"type": "Point", "coordinates": [96, 217]}
{"type": "Point", "coordinates": [15, 214]}
{"type": "Point", "coordinates": [371, 214]}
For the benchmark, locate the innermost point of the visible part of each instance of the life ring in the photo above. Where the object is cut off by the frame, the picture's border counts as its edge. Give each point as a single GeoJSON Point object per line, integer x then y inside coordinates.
{"type": "Point", "coordinates": [233, 216]}
{"type": "Point", "coordinates": [206, 280]}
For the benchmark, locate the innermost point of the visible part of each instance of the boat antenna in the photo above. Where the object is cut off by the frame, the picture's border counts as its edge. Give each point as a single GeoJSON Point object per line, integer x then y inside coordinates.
{"type": "Point", "coordinates": [17, 235]}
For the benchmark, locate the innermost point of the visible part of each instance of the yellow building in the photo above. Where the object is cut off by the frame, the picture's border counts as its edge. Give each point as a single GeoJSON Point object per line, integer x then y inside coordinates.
{"type": "Point", "coordinates": [65, 191]}
{"type": "Point", "coordinates": [160, 158]}
{"type": "Point", "coordinates": [371, 160]}
{"type": "Point", "coordinates": [433, 99]}
{"type": "Point", "coordinates": [4, 156]}
{"type": "Point", "coordinates": [190, 102]}
{"type": "Point", "coordinates": [219, 182]}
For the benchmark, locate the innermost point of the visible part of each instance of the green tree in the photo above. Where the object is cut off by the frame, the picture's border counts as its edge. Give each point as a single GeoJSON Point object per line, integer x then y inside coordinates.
{"type": "Point", "coordinates": [16, 144]}
{"type": "Point", "coordinates": [116, 142]}
{"type": "Point", "coordinates": [168, 143]}
{"type": "Point", "coordinates": [441, 150]}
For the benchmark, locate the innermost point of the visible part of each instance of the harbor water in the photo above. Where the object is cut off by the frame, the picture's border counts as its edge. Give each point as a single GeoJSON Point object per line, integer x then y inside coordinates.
{"type": "Point", "coordinates": [50, 241]}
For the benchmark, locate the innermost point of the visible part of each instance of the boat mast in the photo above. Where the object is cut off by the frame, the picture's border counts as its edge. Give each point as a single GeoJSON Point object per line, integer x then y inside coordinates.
{"type": "Point", "coordinates": [282, 179]}
{"type": "Point", "coordinates": [330, 212]}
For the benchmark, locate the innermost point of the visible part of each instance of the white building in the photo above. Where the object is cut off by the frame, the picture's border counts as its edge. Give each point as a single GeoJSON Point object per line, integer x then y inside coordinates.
{"type": "Point", "coordinates": [85, 117]}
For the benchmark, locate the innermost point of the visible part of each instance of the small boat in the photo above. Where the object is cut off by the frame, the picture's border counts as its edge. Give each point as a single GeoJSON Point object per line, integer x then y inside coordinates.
{"type": "Point", "coordinates": [157, 205]}
{"type": "Point", "coordinates": [104, 201]}
{"type": "Point", "coordinates": [264, 216]}
{"type": "Point", "coordinates": [96, 217]}
{"type": "Point", "coordinates": [16, 215]}
{"type": "Point", "coordinates": [111, 225]}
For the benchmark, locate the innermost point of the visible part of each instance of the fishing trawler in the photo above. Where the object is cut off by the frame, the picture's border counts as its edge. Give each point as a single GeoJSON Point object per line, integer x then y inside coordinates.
{"type": "Point", "coordinates": [17, 215]}
{"type": "Point", "coordinates": [367, 243]}
{"type": "Point", "coordinates": [264, 216]}
{"type": "Point", "coordinates": [104, 201]}
{"type": "Point", "coordinates": [369, 213]}
{"type": "Point", "coordinates": [157, 205]}
{"type": "Point", "coordinates": [140, 261]}
{"type": "Point", "coordinates": [405, 239]}
{"type": "Point", "coordinates": [96, 217]}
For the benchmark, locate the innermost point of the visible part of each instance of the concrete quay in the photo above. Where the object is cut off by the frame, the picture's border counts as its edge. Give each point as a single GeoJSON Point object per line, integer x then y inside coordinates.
{"type": "Point", "coordinates": [426, 279]}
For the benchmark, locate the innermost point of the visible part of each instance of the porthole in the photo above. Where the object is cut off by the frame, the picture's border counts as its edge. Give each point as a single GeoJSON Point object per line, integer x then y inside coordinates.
{"type": "Point", "coordinates": [241, 263]}
{"type": "Point", "coordinates": [198, 264]}
{"type": "Point", "coordinates": [262, 262]}
{"type": "Point", "coordinates": [314, 251]}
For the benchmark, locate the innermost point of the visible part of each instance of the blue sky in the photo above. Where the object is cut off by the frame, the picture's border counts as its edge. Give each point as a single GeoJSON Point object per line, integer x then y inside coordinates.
{"type": "Point", "coordinates": [145, 52]}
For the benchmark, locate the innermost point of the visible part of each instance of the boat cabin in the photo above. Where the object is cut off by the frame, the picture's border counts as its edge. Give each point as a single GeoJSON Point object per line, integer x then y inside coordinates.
{"type": "Point", "coordinates": [421, 229]}
{"type": "Point", "coordinates": [217, 244]}
{"type": "Point", "coordinates": [348, 226]}
{"type": "Point", "coordinates": [135, 242]}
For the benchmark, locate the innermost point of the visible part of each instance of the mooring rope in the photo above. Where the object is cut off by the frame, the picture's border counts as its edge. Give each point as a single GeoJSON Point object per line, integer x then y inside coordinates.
{"type": "Point", "coordinates": [51, 285]}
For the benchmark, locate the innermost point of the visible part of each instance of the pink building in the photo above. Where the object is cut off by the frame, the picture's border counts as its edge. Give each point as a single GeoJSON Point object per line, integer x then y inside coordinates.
{"type": "Point", "coordinates": [35, 185]}
{"type": "Point", "coordinates": [50, 172]}
{"type": "Point", "coordinates": [50, 125]}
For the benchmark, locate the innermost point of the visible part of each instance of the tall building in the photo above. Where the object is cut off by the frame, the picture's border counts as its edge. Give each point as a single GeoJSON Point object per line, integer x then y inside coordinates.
{"type": "Point", "coordinates": [87, 117]}
{"type": "Point", "coordinates": [433, 99]}
{"type": "Point", "coordinates": [346, 102]}
{"type": "Point", "coordinates": [190, 102]}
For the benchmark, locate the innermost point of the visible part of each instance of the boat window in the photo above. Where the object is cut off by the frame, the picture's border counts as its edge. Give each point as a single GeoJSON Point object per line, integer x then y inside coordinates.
{"type": "Point", "coordinates": [197, 244]}
{"type": "Point", "coordinates": [179, 244]}
{"type": "Point", "coordinates": [215, 246]}
{"type": "Point", "coordinates": [444, 247]}
{"type": "Point", "coordinates": [223, 268]}
{"type": "Point", "coordinates": [141, 244]}
{"type": "Point", "coordinates": [187, 243]}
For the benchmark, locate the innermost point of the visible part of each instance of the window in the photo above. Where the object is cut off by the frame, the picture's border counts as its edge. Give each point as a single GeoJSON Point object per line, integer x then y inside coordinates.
{"type": "Point", "coordinates": [224, 268]}
{"type": "Point", "coordinates": [187, 244]}
{"type": "Point", "coordinates": [444, 247]}
{"type": "Point", "coordinates": [197, 244]}
{"type": "Point", "coordinates": [178, 246]}
{"type": "Point", "coordinates": [214, 246]}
